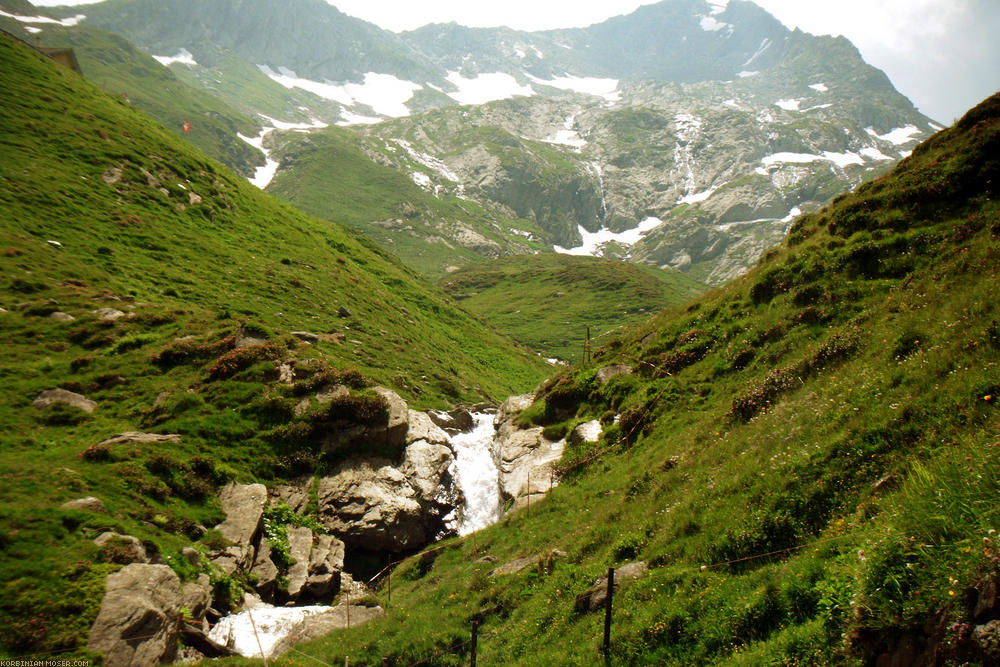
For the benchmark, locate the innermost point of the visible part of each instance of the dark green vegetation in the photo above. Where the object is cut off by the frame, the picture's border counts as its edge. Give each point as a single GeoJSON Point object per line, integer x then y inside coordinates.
{"type": "Point", "coordinates": [807, 458]}
{"type": "Point", "coordinates": [547, 301]}
{"type": "Point", "coordinates": [102, 208]}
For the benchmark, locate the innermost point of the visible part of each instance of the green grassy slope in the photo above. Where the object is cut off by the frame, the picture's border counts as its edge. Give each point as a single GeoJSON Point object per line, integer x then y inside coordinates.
{"type": "Point", "coordinates": [102, 208]}
{"type": "Point", "coordinates": [547, 301]}
{"type": "Point", "coordinates": [116, 66]}
{"type": "Point", "coordinates": [807, 458]}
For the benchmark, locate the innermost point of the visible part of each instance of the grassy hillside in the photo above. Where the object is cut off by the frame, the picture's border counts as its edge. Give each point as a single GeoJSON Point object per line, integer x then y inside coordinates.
{"type": "Point", "coordinates": [547, 301]}
{"type": "Point", "coordinates": [100, 208]}
{"type": "Point", "coordinates": [807, 459]}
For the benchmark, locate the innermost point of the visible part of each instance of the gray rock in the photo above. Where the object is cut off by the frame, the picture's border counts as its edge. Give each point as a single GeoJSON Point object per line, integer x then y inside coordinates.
{"type": "Point", "coordinates": [243, 505]}
{"type": "Point", "coordinates": [233, 558]}
{"type": "Point", "coordinates": [137, 624]}
{"type": "Point", "coordinates": [306, 337]}
{"type": "Point", "coordinates": [329, 394]}
{"type": "Point", "coordinates": [458, 420]}
{"type": "Point", "coordinates": [526, 461]}
{"type": "Point", "coordinates": [399, 418]}
{"type": "Point", "coordinates": [196, 596]}
{"type": "Point", "coordinates": [138, 438]}
{"type": "Point", "coordinates": [191, 555]}
{"type": "Point", "coordinates": [136, 552]}
{"type": "Point", "coordinates": [295, 496]}
{"type": "Point", "coordinates": [608, 373]}
{"type": "Point", "coordinates": [423, 427]}
{"type": "Point", "coordinates": [596, 597]}
{"type": "Point", "coordinates": [60, 316]}
{"type": "Point", "coordinates": [369, 503]}
{"type": "Point", "coordinates": [109, 314]}
{"type": "Point", "coordinates": [426, 469]}
{"type": "Point", "coordinates": [265, 571]}
{"type": "Point", "coordinates": [300, 541]}
{"type": "Point", "coordinates": [89, 504]}
{"type": "Point", "coordinates": [51, 397]}
{"type": "Point", "coordinates": [326, 561]}
{"type": "Point", "coordinates": [245, 338]}
{"type": "Point", "coordinates": [343, 311]}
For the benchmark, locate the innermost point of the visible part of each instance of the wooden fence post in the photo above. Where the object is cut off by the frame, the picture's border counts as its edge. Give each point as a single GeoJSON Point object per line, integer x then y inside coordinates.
{"type": "Point", "coordinates": [607, 611]}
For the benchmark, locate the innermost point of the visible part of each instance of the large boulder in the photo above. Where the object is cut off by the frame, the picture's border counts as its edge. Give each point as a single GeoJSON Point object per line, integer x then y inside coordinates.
{"type": "Point", "coordinates": [244, 506]}
{"type": "Point", "coordinates": [88, 504]}
{"type": "Point", "coordinates": [51, 397]}
{"type": "Point", "coordinates": [459, 420]}
{"type": "Point", "coordinates": [399, 418]}
{"type": "Point", "coordinates": [422, 427]}
{"type": "Point", "coordinates": [326, 562]}
{"type": "Point", "coordinates": [427, 469]}
{"type": "Point", "coordinates": [138, 623]}
{"type": "Point", "coordinates": [300, 541]}
{"type": "Point", "coordinates": [121, 548]}
{"type": "Point", "coordinates": [264, 571]}
{"type": "Point", "coordinates": [596, 597]}
{"type": "Point", "coordinates": [370, 504]}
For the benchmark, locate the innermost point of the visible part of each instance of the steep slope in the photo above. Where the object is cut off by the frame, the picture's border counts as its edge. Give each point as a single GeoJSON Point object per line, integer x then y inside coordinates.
{"type": "Point", "coordinates": [143, 276]}
{"type": "Point", "coordinates": [549, 301]}
{"type": "Point", "coordinates": [116, 66]}
{"type": "Point", "coordinates": [806, 459]}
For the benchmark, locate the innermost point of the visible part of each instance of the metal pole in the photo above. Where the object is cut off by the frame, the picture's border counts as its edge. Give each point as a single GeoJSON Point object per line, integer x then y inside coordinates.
{"type": "Point", "coordinates": [607, 611]}
{"type": "Point", "coordinates": [475, 641]}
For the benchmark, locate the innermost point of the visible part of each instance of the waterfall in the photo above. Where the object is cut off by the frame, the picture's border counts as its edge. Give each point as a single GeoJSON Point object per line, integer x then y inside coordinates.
{"type": "Point", "coordinates": [476, 474]}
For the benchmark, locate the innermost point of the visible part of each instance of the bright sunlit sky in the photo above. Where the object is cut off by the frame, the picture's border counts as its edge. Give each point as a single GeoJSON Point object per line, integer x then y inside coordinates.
{"type": "Point", "coordinates": [942, 54]}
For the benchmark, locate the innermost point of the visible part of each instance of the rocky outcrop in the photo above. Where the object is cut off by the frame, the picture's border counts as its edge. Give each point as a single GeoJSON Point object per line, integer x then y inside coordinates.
{"type": "Point", "coordinates": [370, 504]}
{"type": "Point", "coordinates": [137, 624]}
{"type": "Point", "coordinates": [456, 421]}
{"type": "Point", "coordinates": [244, 506]}
{"type": "Point", "coordinates": [525, 459]}
{"type": "Point", "coordinates": [326, 563]}
{"type": "Point", "coordinates": [121, 548]}
{"type": "Point", "coordinates": [51, 397]}
{"type": "Point", "coordinates": [138, 438]}
{"type": "Point", "coordinates": [89, 504]}
{"type": "Point", "coordinates": [608, 373]}
{"type": "Point", "coordinates": [423, 427]}
{"type": "Point", "coordinates": [596, 597]}
{"type": "Point", "coordinates": [399, 414]}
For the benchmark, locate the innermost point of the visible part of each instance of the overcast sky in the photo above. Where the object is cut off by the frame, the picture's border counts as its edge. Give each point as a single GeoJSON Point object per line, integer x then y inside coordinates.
{"type": "Point", "coordinates": [942, 54]}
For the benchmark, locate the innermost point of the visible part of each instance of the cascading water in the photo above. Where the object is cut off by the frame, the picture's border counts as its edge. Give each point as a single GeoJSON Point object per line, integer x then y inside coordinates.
{"type": "Point", "coordinates": [476, 474]}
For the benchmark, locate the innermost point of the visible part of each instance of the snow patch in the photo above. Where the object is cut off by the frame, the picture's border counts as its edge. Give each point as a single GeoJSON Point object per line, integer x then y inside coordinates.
{"type": "Point", "coordinates": [348, 118]}
{"type": "Point", "coordinates": [873, 153]}
{"type": "Point", "coordinates": [840, 159]}
{"type": "Point", "coordinates": [711, 24]}
{"type": "Point", "coordinates": [606, 88]}
{"type": "Point", "coordinates": [819, 87]}
{"type": "Point", "coordinates": [744, 74]}
{"type": "Point", "coordinates": [567, 136]}
{"type": "Point", "coordinates": [384, 93]}
{"type": "Point", "coordinates": [70, 22]}
{"type": "Point", "coordinates": [764, 46]}
{"type": "Point", "coordinates": [718, 6]}
{"type": "Point", "coordinates": [788, 105]}
{"type": "Point", "coordinates": [732, 103]}
{"type": "Point", "coordinates": [688, 128]}
{"type": "Point", "coordinates": [264, 175]}
{"type": "Point", "coordinates": [428, 161]}
{"type": "Point", "coordinates": [898, 136]}
{"type": "Point", "coordinates": [698, 197]}
{"type": "Point", "coordinates": [421, 179]}
{"type": "Point", "coordinates": [486, 88]}
{"type": "Point", "coordinates": [184, 57]}
{"type": "Point", "coordinates": [592, 241]}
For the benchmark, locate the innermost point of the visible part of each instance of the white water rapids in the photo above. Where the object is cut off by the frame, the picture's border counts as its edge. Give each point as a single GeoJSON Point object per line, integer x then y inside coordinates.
{"type": "Point", "coordinates": [476, 474]}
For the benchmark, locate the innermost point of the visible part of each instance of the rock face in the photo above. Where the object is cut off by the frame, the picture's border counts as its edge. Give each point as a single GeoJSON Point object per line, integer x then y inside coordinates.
{"type": "Point", "coordinates": [51, 397]}
{"type": "Point", "coordinates": [370, 504]}
{"type": "Point", "coordinates": [526, 460]}
{"type": "Point", "coordinates": [138, 624]}
{"type": "Point", "coordinates": [423, 427]}
{"type": "Point", "coordinates": [244, 506]}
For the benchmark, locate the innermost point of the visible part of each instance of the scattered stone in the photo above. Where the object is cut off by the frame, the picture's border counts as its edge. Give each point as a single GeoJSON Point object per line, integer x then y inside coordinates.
{"type": "Point", "coordinates": [131, 547]}
{"type": "Point", "coordinates": [109, 314]}
{"type": "Point", "coordinates": [139, 438]}
{"type": "Point", "coordinates": [244, 506]}
{"type": "Point", "coordinates": [194, 199]}
{"type": "Point", "coordinates": [191, 555]}
{"type": "Point", "coordinates": [54, 244]}
{"type": "Point", "coordinates": [423, 427]}
{"type": "Point", "coordinates": [608, 373]}
{"type": "Point", "coordinates": [51, 397]}
{"type": "Point", "coordinates": [488, 559]}
{"type": "Point", "coordinates": [285, 373]}
{"type": "Point", "coordinates": [586, 432]}
{"type": "Point", "coordinates": [343, 311]}
{"type": "Point", "coordinates": [245, 338]}
{"type": "Point", "coordinates": [112, 175]}
{"type": "Point", "coordinates": [307, 368]}
{"type": "Point", "coordinates": [60, 316]}
{"type": "Point", "coordinates": [596, 597]}
{"type": "Point", "coordinates": [89, 504]}
{"type": "Point", "coordinates": [137, 625]}
{"type": "Point", "coordinates": [306, 337]}
{"type": "Point", "coordinates": [671, 463]}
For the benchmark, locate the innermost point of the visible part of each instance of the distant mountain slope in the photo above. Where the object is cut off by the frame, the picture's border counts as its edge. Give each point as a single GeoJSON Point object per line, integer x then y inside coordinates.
{"type": "Point", "coordinates": [549, 301]}
{"type": "Point", "coordinates": [806, 460]}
